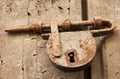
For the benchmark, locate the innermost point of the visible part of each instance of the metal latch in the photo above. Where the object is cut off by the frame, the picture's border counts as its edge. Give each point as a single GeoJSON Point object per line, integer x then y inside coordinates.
{"type": "Point", "coordinates": [70, 46]}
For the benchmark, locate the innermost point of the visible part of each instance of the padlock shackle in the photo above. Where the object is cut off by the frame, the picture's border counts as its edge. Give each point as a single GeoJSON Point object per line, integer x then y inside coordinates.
{"type": "Point", "coordinates": [101, 32]}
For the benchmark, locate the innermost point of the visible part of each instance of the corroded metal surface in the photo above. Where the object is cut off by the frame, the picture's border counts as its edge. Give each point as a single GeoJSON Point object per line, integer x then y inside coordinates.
{"type": "Point", "coordinates": [55, 40]}
{"type": "Point", "coordinates": [78, 49]}
{"type": "Point", "coordinates": [104, 26]}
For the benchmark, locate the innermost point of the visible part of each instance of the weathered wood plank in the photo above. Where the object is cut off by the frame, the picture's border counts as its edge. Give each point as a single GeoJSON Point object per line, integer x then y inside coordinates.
{"type": "Point", "coordinates": [103, 63]}
{"type": "Point", "coordinates": [112, 55]}
{"type": "Point", "coordinates": [111, 47]}
{"type": "Point", "coordinates": [117, 9]}
{"type": "Point", "coordinates": [94, 9]}
{"type": "Point", "coordinates": [103, 8]}
{"type": "Point", "coordinates": [12, 13]}
{"type": "Point", "coordinates": [75, 10]}
{"type": "Point", "coordinates": [29, 58]}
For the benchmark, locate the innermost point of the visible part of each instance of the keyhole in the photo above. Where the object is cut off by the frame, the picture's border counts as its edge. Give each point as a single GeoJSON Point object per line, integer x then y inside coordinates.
{"type": "Point", "coordinates": [71, 55]}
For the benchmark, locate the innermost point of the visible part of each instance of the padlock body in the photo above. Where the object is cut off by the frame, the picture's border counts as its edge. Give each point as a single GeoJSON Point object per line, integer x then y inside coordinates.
{"type": "Point", "coordinates": [78, 49]}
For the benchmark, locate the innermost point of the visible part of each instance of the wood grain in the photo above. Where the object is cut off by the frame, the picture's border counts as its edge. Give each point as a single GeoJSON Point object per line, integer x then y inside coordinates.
{"type": "Point", "coordinates": [23, 56]}
{"type": "Point", "coordinates": [12, 13]}
{"type": "Point", "coordinates": [102, 68]}
{"type": "Point", "coordinates": [111, 48]}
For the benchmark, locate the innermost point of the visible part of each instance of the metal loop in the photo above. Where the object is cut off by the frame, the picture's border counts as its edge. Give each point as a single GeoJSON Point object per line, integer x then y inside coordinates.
{"type": "Point", "coordinates": [37, 28]}
{"type": "Point", "coordinates": [66, 25]}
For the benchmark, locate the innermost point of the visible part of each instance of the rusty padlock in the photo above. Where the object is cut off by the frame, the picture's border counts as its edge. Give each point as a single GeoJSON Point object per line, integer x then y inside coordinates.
{"type": "Point", "coordinates": [73, 48]}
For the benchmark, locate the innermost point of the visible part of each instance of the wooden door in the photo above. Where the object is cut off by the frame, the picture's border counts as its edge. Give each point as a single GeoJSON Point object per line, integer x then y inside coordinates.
{"type": "Point", "coordinates": [23, 56]}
